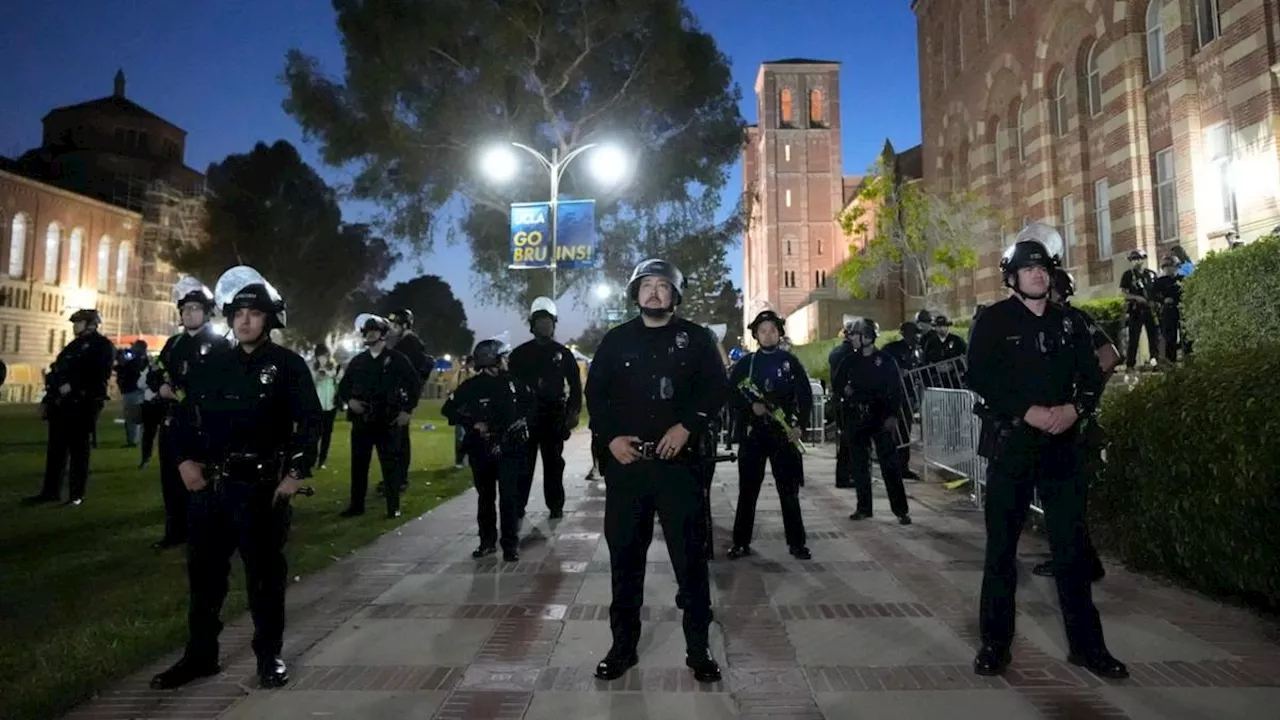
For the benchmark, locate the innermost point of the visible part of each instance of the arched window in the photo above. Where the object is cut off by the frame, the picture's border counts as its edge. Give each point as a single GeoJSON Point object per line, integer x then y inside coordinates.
{"type": "Point", "coordinates": [104, 263]}
{"type": "Point", "coordinates": [1155, 40]}
{"type": "Point", "coordinates": [52, 252]}
{"type": "Point", "coordinates": [784, 106]}
{"type": "Point", "coordinates": [18, 246]}
{"type": "Point", "coordinates": [1002, 147]}
{"type": "Point", "coordinates": [1060, 116]}
{"type": "Point", "coordinates": [122, 269]}
{"type": "Point", "coordinates": [74, 250]}
{"type": "Point", "coordinates": [1093, 79]}
{"type": "Point", "coordinates": [815, 107]}
{"type": "Point", "coordinates": [1015, 132]}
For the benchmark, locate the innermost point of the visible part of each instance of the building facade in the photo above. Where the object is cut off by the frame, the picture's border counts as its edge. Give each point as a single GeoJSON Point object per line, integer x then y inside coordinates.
{"type": "Point", "coordinates": [795, 188]}
{"type": "Point", "coordinates": [1128, 124]}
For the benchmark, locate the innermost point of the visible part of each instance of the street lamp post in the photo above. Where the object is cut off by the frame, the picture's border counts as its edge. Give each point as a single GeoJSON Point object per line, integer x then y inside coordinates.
{"type": "Point", "coordinates": [609, 166]}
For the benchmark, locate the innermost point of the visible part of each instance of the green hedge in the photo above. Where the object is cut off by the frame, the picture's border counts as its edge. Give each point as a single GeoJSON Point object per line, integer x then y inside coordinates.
{"type": "Point", "coordinates": [1190, 488]}
{"type": "Point", "coordinates": [1230, 301]}
{"type": "Point", "coordinates": [1107, 312]}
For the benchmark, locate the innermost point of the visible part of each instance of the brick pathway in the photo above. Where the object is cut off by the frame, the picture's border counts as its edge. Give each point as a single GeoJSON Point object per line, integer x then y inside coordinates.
{"type": "Point", "coordinates": [882, 623]}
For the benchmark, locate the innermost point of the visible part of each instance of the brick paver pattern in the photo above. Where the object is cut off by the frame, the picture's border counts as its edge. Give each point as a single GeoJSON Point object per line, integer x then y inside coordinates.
{"type": "Point", "coordinates": [881, 623]}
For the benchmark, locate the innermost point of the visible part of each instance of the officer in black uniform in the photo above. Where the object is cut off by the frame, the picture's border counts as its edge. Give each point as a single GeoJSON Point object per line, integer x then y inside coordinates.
{"type": "Point", "coordinates": [75, 389]}
{"type": "Point", "coordinates": [546, 367]}
{"type": "Point", "coordinates": [1166, 293]}
{"type": "Point", "coordinates": [871, 399]}
{"type": "Point", "coordinates": [495, 409]}
{"type": "Point", "coordinates": [944, 345]}
{"type": "Point", "coordinates": [244, 447]}
{"type": "Point", "coordinates": [405, 341]}
{"type": "Point", "coordinates": [179, 357]}
{"type": "Point", "coordinates": [655, 381]}
{"type": "Point", "coordinates": [1136, 285]}
{"type": "Point", "coordinates": [765, 382]}
{"type": "Point", "coordinates": [380, 389]}
{"type": "Point", "coordinates": [1036, 372]}
{"type": "Point", "coordinates": [834, 358]}
{"type": "Point", "coordinates": [907, 354]}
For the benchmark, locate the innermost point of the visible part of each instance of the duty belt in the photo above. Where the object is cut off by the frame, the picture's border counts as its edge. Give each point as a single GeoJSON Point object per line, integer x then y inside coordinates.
{"type": "Point", "coordinates": [234, 464]}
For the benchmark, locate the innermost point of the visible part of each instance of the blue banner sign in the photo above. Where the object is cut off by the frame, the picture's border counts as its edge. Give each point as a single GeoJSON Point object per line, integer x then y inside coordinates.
{"type": "Point", "coordinates": [575, 235]}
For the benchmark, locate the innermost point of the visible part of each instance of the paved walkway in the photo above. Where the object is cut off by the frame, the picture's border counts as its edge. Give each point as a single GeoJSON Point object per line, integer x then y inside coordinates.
{"type": "Point", "coordinates": [880, 624]}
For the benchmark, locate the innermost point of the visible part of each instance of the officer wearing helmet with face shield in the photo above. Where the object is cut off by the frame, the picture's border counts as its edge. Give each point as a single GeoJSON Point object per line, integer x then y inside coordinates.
{"type": "Point", "coordinates": [655, 381]}
{"type": "Point", "coordinates": [773, 379]}
{"type": "Point", "coordinates": [546, 367]}
{"type": "Point", "coordinates": [380, 389]}
{"type": "Point", "coordinates": [75, 390]}
{"type": "Point", "coordinates": [245, 443]}
{"type": "Point", "coordinates": [1035, 369]}
{"type": "Point", "coordinates": [494, 408]}
{"type": "Point", "coordinates": [871, 399]}
{"type": "Point", "coordinates": [181, 355]}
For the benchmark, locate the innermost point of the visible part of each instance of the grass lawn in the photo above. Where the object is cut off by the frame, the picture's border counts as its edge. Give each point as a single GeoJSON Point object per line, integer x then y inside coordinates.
{"type": "Point", "coordinates": [84, 600]}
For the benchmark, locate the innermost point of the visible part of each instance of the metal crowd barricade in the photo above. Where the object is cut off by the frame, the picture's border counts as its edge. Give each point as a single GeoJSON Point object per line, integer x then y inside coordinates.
{"type": "Point", "coordinates": [816, 431]}
{"type": "Point", "coordinates": [948, 374]}
{"type": "Point", "coordinates": [949, 435]}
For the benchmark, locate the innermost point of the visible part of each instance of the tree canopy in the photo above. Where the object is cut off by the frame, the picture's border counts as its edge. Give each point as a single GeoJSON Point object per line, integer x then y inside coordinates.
{"type": "Point", "coordinates": [439, 318]}
{"type": "Point", "coordinates": [428, 84]}
{"type": "Point", "coordinates": [909, 237]}
{"type": "Point", "coordinates": [270, 210]}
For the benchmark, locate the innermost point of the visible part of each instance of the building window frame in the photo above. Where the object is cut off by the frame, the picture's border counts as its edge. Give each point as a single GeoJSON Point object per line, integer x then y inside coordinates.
{"type": "Point", "coordinates": [1093, 80]}
{"type": "Point", "coordinates": [1060, 107]}
{"type": "Point", "coordinates": [786, 113]}
{"type": "Point", "coordinates": [816, 116]}
{"type": "Point", "coordinates": [1165, 186]}
{"type": "Point", "coordinates": [1157, 60]}
{"type": "Point", "coordinates": [104, 263]}
{"type": "Point", "coordinates": [52, 253]}
{"type": "Point", "coordinates": [1208, 22]}
{"type": "Point", "coordinates": [1002, 148]}
{"type": "Point", "coordinates": [75, 257]}
{"type": "Point", "coordinates": [19, 229]}
{"type": "Point", "coordinates": [1219, 156]}
{"type": "Point", "coordinates": [122, 268]}
{"type": "Point", "coordinates": [1067, 209]}
{"type": "Point", "coordinates": [1102, 217]}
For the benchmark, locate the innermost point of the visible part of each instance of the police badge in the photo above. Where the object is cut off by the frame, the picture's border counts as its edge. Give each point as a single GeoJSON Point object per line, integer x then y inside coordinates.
{"type": "Point", "coordinates": [205, 348]}
{"type": "Point", "coordinates": [682, 340]}
{"type": "Point", "coordinates": [267, 375]}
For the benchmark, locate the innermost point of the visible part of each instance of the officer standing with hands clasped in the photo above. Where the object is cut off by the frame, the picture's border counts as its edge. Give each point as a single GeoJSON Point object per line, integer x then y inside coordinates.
{"type": "Point", "coordinates": [494, 408]}
{"type": "Point", "coordinates": [75, 389]}
{"type": "Point", "coordinates": [181, 355]}
{"type": "Point", "coordinates": [655, 381]}
{"type": "Point", "coordinates": [1035, 370]}
{"type": "Point", "coordinates": [546, 367]}
{"type": "Point", "coordinates": [246, 444]}
{"type": "Point", "coordinates": [380, 389]}
{"type": "Point", "coordinates": [770, 392]}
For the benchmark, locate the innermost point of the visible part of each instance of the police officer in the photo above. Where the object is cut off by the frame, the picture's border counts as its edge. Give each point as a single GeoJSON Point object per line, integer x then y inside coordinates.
{"type": "Point", "coordinates": [546, 367]}
{"type": "Point", "coordinates": [834, 358]}
{"type": "Point", "coordinates": [243, 449]}
{"type": "Point", "coordinates": [1166, 292]}
{"type": "Point", "coordinates": [75, 389]}
{"type": "Point", "coordinates": [1036, 372]}
{"type": "Point", "coordinates": [768, 381]}
{"type": "Point", "coordinates": [944, 345]}
{"type": "Point", "coordinates": [871, 398]}
{"type": "Point", "coordinates": [405, 341]}
{"type": "Point", "coordinates": [181, 355]}
{"type": "Point", "coordinates": [907, 354]}
{"type": "Point", "coordinates": [494, 408]}
{"type": "Point", "coordinates": [380, 390]}
{"type": "Point", "coordinates": [729, 417]}
{"type": "Point", "coordinates": [1136, 286]}
{"type": "Point", "coordinates": [655, 381]}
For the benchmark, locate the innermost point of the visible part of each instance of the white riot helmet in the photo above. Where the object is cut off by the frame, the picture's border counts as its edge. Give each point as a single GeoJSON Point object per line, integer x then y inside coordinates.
{"type": "Point", "coordinates": [1047, 235]}
{"type": "Point", "coordinates": [188, 289]}
{"type": "Point", "coordinates": [543, 304]}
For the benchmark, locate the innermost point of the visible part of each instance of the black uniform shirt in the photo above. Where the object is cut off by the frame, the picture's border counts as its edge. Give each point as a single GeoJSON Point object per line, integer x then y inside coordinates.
{"type": "Point", "coordinates": [908, 356]}
{"type": "Point", "coordinates": [1018, 359]}
{"type": "Point", "coordinates": [181, 354]}
{"type": "Point", "coordinates": [410, 345]}
{"type": "Point", "coordinates": [1167, 290]}
{"type": "Point", "coordinates": [1099, 336]}
{"type": "Point", "coordinates": [388, 384]}
{"type": "Point", "coordinates": [1137, 282]}
{"type": "Point", "coordinates": [499, 401]}
{"type": "Point", "coordinates": [645, 380]}
{"type": "Point", "coordinates": [940, 349]}
{"type": "Point", "coordinates": [872, 382]}
{"type": "Point", "coordinates": [84, 364]}
{"type": "Point", "coordinates": [262, 403]}
{"type": "Point", "coordinates": [780, 376]}
{"type": "Point", "coordinates": [544, 366]}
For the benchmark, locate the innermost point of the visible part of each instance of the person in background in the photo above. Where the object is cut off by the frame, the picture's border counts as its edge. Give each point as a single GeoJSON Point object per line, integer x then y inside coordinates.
{"type": "Point", "coordinates": [325, 372]}
{"type": "Point", "coordinates": [1166, 292]}
{"type": "Point", "coordinates": [152, 415]}
{"type": "Point", "coordinates": [129, 369]}
{"type": "Point", "coordinates": [459, 431]}
{"type": "Point", "coordinates": [1184, 265]}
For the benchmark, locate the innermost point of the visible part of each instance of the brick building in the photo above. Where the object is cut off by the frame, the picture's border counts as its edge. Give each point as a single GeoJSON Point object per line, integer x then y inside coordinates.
{"type": "Point", "coordinates": [795, 188]}
{"type": "Point", "coordinates": [1127, 124]}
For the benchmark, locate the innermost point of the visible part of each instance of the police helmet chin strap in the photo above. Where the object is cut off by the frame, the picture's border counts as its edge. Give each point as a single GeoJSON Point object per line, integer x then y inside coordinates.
{"type": "Point", "coordinates": [657, 312]}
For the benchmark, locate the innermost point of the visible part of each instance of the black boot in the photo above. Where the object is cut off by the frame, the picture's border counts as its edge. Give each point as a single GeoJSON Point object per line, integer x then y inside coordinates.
{"type": "Point", "coordinates": [705, 668]}
{"type": "Point", "coordinates": [904, 519]}
{"type": "Point", "coordinates": [800, 552]}
{"type": "Point", "coordinates": [1100, 663]}
{"type": "Point", "coordinates": [272, 673]}
{"type": "Point", "coordinates": [992, 660]}
{"type": "Point", "coordinates": [183, 672]}
{"type": "Point", "coordinates": [483, 551]}
{"type": "Point", "coordinates": [739, 551]}
{"type": "Point", "coordinates": [860, 515]}
{"type": "Point", "coordinates": [620, 659]}
{"type": "Point", "coordinates": [351, 512]}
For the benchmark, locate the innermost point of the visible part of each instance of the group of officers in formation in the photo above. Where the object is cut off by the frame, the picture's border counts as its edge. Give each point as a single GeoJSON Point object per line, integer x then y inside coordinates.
{"type": "Point", "coordinates": [240, 437]}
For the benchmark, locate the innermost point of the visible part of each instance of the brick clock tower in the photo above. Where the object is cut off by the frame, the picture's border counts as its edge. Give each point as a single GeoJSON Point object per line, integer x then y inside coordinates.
{"type": "Point", "coordinates": [793, 179]}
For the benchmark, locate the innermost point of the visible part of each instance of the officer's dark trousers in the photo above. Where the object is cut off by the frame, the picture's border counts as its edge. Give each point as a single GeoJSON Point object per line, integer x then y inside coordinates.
{"type": "Point", "coordinates": [1054, 469]}
{"type": "Point", "coordinates": [172, 489]}
{"type": "Point", "coordinates": [237, 516]}
{"type": "Point", "coordinates": [1136, 321]}
{"type": "Point", "coordinates": [497, 482]}
{"type": "Point", "coordinates": [546, 437]}
{"type": "Point", "coordinates": [327, 418]}
{"type": "Point", "coordinates": [600, 452]}
{"type": "Point", "coordinates": [152, 418]}
{"type": "Point", "coordinates": [633, 494]}
{"type": "Point", "coordinates": [1170, 323]}
{"type": "Point", "coordinates": [68, 448]}
{"type": "Point", "coordinates": [761, 445]}
{"type": "Point", "coordinates": [390, 443]}
{"type": "Point", "coordinates": [856, 446]}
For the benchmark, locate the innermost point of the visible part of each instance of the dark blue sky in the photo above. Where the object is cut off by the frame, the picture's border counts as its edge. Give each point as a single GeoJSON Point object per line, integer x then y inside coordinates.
{"type": "Point", "coordinates": [213, 69]}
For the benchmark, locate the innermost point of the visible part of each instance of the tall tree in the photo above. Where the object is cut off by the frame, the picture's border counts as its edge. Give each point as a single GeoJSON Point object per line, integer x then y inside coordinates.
{"type": "Point", "coordinates": [429, 84]}
{"type": "Point", "coordinates": [914, 239]}
{"type": "Point", "coordinates": [270, 210]}
{"type": "Point", "coordinates": [439, 317]}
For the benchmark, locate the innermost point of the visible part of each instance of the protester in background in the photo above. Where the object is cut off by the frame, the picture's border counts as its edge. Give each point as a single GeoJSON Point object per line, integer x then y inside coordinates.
{"type": "Point", "coordinates": [129, 369]}
{"type": "Point", "coordinates": [1184, 265]}
{"type": "Point", "coordinates": [325, 372]}
{"type": "Point", "coordinates": [152, 415]}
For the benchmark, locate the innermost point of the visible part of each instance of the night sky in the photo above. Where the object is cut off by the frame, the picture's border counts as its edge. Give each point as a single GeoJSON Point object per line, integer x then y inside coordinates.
{"type": "Point", "coordinates": [213, 69]}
